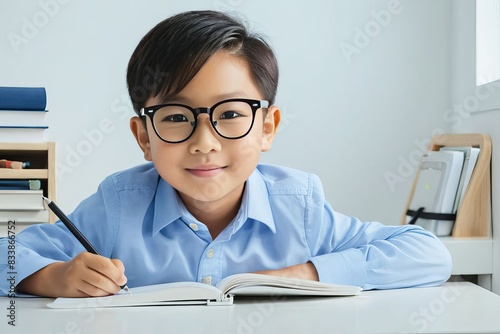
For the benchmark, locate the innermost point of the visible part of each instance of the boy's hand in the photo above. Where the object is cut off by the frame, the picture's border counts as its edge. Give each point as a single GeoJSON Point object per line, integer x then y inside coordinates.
{"type": "Point", "coordinates": [303, 271]}
{"type": "Point", "coordinates": [84, 276]}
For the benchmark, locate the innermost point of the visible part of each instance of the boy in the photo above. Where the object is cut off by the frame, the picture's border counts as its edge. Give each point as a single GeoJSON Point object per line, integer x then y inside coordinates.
{"type": "Point", "coordinates": [203, 89]}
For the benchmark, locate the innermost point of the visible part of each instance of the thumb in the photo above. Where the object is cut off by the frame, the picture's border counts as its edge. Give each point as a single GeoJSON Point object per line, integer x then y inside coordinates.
{"type": "Point", "coordinates": [121, 268]}
{"type": "Point", "coordinates": [118, 264]}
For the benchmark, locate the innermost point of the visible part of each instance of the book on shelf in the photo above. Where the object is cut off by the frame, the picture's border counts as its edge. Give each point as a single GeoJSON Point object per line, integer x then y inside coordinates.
{"type": "Point", "coordinates": [24, 216]}
{"type": "Point", "coordinates": [43, 127]}
{"type": "Point", "coordinates": [14, 184]}
{"type": "Point", "coordinates": [23, 98]}
{"type": "Point", "coordinates": [22, 114]}
{"type": "Point", "coordinates": [24, 134]}
{"type": "Point", "coordinates": [433, 200]}
{"type": "Point", "coordinates": [470, 158]}
{"type": "Point", "coordinates": [29, 200]}
{"type": "Point", "coordinates": [22, 118]}
{"type": "Point", "coordinates": [186, 293]}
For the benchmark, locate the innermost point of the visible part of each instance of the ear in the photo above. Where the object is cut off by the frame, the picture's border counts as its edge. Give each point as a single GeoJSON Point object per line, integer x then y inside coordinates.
{"type": "Point", "coordinates": [271, 123]}
{"type": "Point", "coordinates": [140, 133]}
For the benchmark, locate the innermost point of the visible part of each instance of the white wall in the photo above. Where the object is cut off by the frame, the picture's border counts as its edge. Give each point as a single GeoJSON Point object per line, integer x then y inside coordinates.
{"type": "Point", "coordinates": [350, 119]}
{"type": "Point", "coordinates": [473, 101]}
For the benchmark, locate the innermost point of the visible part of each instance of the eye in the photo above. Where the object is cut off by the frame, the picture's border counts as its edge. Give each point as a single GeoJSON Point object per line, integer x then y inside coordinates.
{"type": "Point", "coordinates": [175, 118]}
{"type": "Point", "coordinates": [230, 114]}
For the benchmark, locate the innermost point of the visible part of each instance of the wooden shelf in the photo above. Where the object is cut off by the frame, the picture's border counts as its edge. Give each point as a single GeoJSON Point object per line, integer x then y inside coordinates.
{"type": "Point", "coordinates": [474, 212]}
{"type": "Point", "coordinates": [24, 173]}
{"type": "Point", "coordinates": [44, 146]}
{"type": "Point", "coordinates": [42, 158]}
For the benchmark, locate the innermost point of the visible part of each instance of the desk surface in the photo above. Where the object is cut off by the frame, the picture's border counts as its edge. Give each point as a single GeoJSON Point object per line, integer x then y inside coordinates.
{"type": "Point", "coordinates": [452, 308]}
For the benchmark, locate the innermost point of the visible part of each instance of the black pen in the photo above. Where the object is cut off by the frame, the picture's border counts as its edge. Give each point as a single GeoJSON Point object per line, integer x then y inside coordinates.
{"type": "Point", "coordinates": [65, 220]}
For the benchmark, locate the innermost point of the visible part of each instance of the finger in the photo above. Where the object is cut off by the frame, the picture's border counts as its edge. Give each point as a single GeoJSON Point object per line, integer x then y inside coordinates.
{"type": "Point", "coordinates": [112, 269]}
{"type": "Point", "coordinates": [96, 284]}
{"type": "Point", "coordinates": [119, 265]}
{"type": "Point", "coordinates": [83, 281]}
{"type": "Point", "coordinates": [102, 273]}
{"type": "Point", "coordinates": [89, 290]}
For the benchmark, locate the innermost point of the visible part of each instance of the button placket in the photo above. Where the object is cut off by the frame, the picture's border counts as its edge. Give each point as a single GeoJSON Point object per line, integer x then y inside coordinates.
{"type": "Point", "coordinates": [209, 268]}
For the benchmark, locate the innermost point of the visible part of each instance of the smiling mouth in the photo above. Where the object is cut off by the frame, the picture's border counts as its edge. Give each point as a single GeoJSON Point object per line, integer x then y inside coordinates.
{"type": "Point", "coordinates": [206, 171]}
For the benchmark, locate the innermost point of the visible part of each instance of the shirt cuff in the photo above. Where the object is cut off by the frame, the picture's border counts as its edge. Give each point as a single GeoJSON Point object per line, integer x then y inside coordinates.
{"type": "Point", "coordinates": [27, 263]}
{"type": "Point", "coordinates": [346, 267]}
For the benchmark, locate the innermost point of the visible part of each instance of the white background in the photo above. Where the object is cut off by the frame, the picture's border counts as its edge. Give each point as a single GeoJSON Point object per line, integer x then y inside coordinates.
{"type": "Point", "coordinates": [352, 118]}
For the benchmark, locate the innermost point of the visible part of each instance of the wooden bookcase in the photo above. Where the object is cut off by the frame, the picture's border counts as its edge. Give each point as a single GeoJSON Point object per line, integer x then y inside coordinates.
{"type": "Point", "coordinates": [474, 212]}
{"type": "Point", "coordinates": [42, 158]}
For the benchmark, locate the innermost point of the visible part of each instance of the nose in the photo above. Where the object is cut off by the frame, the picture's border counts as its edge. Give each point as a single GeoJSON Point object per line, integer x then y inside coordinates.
{"type": "Point", "coordinates": [204, 138]}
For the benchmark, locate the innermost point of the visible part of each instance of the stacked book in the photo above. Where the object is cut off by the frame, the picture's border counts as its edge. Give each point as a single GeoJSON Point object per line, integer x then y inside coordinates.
{"type": "Point", "coordinates": [442, 181]}
{"type": "Point", "coordinates": [22, 114]}
{"type": "Point", "coordinates": [21, 204]}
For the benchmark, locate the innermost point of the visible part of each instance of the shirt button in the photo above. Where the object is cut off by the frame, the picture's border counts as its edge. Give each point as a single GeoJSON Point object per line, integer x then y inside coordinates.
{"type": "Point", "coordinates": [193, 226]}
{"type": "Point", "coordinates": [207, 280]}
{"type": "Point", "coordinates": [210, 253]}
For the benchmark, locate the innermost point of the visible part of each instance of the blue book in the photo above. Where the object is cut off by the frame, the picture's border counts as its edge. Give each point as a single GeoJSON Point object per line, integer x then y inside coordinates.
{"type": "Point", "coordinates": [23, 98]}
{"type": "Point", "coordinates": [24, 126]}
{"type": "Point", "coordinates": [8, 184]}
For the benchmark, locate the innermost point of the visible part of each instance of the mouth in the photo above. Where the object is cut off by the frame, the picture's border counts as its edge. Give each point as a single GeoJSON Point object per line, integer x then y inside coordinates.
{"type": "Point", "coordinates": [206, 171]}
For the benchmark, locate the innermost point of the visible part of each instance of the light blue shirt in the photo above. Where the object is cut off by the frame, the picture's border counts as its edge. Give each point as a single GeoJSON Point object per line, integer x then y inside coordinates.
{"type": "Point", "coordinates": [283, 220]}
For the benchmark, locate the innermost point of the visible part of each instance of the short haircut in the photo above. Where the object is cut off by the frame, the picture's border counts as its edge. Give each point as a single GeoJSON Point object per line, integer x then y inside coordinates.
{"type": "Point", "coordinates": [169, 55]}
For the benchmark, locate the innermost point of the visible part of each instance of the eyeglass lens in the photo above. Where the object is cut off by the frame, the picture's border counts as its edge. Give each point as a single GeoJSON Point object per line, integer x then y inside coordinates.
{"type": "Point", "coordinates": [230, 119]}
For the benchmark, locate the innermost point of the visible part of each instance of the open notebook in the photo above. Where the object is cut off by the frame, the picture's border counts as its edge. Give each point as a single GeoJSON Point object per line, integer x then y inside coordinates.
{"type": "Point", "coordinates": [180, 293]}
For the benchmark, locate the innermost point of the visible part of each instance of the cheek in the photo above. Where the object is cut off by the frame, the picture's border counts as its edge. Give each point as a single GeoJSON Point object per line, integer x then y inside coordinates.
{"type": "Point", "coordinates": [164, 155]}
{"type": "Point", "coordinates": [249, 149]}
{"type": "Point", "coordinates": [253, 141]}
{"type": "Point", "coordinates": [157, 150]}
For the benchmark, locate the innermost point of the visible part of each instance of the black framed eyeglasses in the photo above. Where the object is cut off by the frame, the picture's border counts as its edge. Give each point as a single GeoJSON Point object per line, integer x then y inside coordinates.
{"type": "Point", "coordinates": [231, 118]}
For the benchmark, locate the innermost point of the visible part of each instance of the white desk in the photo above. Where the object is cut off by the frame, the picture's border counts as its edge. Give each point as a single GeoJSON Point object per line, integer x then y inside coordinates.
{"type": "Point", "coordinates": [454, 307]}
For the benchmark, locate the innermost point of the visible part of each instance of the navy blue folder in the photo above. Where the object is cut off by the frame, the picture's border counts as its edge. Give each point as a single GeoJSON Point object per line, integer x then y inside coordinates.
{"type": "Point", "coordinates": [23, 98]}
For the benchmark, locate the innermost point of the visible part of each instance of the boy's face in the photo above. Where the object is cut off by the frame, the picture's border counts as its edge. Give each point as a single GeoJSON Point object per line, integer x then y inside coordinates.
{"type": "Point", "coordinates": [208, 171]}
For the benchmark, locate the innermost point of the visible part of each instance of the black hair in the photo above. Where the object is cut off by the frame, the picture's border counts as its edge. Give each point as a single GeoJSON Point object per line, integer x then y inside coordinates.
{"type": "Point", "coordinates": [169, 55]}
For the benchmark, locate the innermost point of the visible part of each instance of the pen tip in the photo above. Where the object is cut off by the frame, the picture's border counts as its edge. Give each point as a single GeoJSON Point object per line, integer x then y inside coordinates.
{"type": "Point", "coordinates": [126, 289]}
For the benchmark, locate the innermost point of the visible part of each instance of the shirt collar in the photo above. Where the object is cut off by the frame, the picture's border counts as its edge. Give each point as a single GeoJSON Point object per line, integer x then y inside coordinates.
{"type": "Point", "coordinates": [255, 203]}
{"type": "Point", "coordinates": [168, 205]}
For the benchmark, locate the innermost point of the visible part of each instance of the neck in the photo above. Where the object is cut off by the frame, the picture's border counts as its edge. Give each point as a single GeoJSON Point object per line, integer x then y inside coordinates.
{"type": "Point", "coordinates": [216, 215]}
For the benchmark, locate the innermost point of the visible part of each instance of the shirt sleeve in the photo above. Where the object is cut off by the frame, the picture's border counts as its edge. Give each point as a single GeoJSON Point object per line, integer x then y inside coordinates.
{"type": "Point", "coordinates": [372, 255]}
{"type": "Point", "coordinates": [42, 244]}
